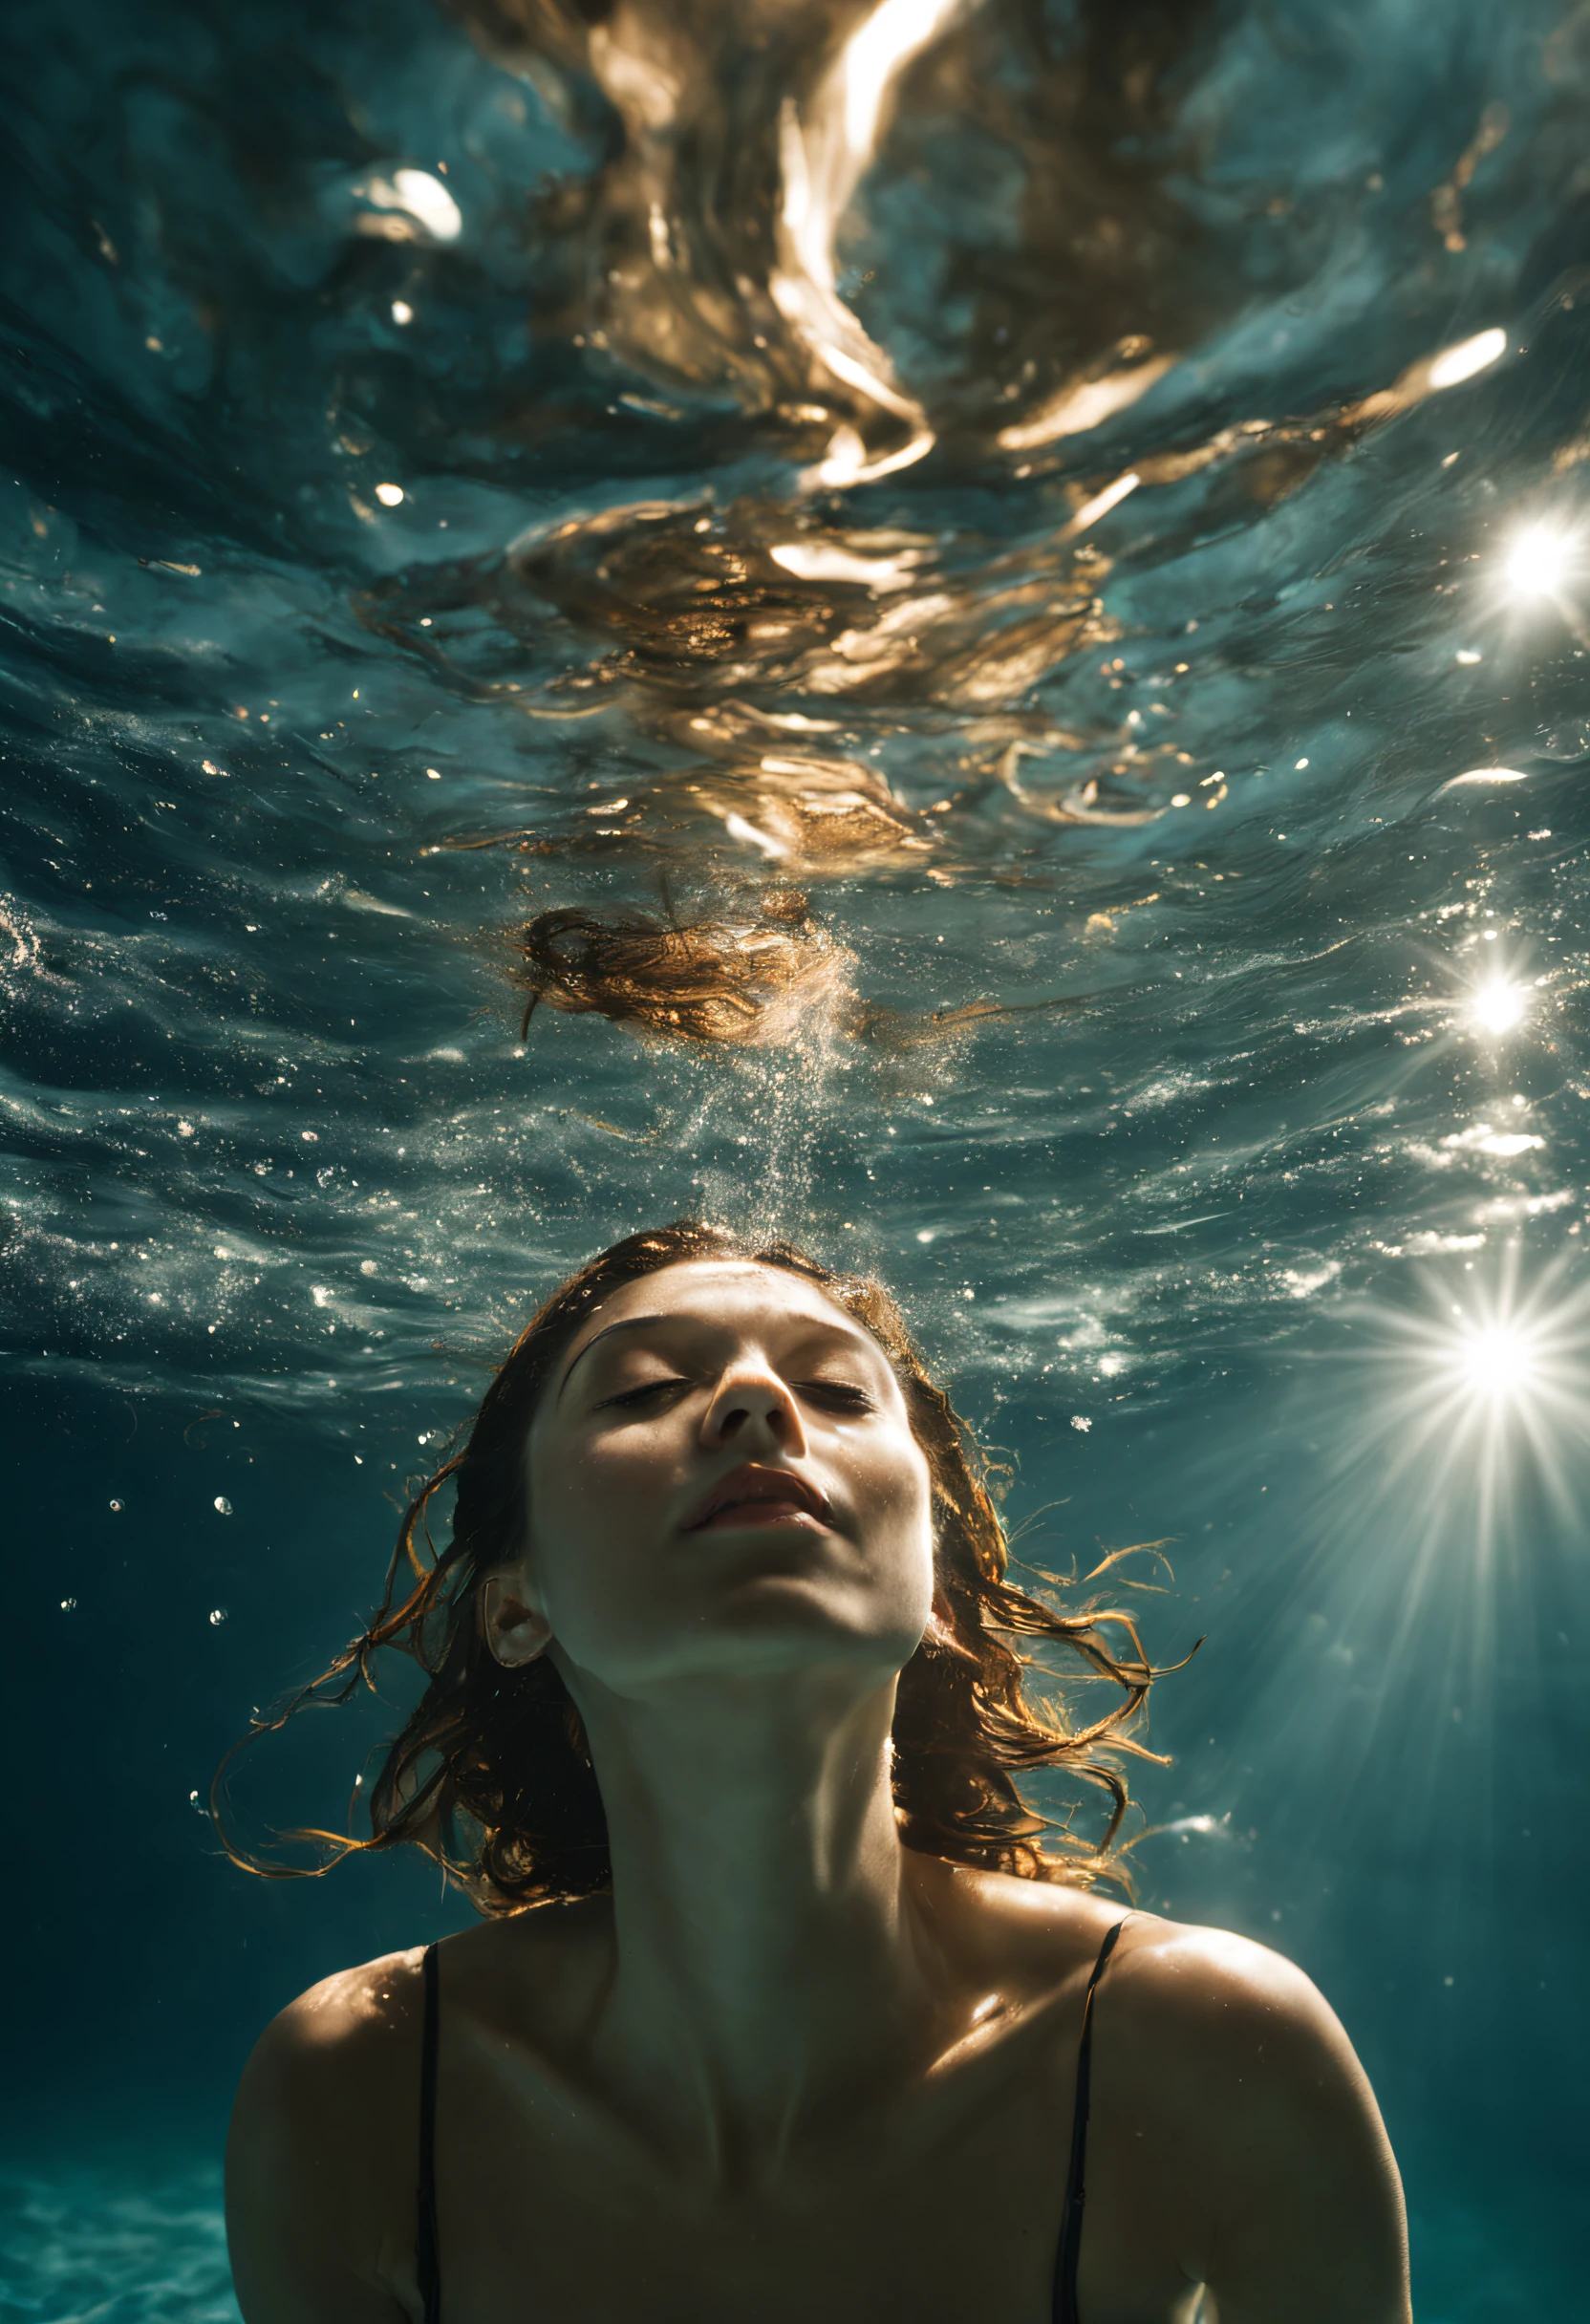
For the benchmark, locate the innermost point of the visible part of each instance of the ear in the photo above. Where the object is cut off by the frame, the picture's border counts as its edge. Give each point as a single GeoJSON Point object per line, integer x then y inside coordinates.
{"type": "Point", "coordinates": [511, 1622]}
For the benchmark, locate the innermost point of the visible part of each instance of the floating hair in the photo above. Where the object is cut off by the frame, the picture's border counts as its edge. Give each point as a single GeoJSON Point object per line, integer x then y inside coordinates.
{"type": "Point", "coordinates": [746, 981]}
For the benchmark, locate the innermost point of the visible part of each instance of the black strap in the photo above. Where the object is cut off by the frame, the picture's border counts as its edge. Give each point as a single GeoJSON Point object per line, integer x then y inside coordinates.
{"type": "Point", "coordinates": [427, 2258]}
{"type": "Point", "coordinates": [427, 2253]}
{"type": "Point", "coordinates": [1076, 2189]}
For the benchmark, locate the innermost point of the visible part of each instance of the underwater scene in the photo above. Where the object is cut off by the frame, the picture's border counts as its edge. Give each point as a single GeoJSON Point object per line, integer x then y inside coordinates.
{"type": "Point", "coordinates": [610, 612]}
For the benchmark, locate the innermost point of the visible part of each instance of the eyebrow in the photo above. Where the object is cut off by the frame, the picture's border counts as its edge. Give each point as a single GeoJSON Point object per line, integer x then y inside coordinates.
{"type": "Point", "coordinates": [641, 1323]}
{"type": "Point", "coordinates": [629, 1322]}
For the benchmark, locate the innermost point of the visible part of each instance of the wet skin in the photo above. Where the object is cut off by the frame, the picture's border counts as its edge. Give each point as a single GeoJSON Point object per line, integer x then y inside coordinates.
{"type": "Point", "coordinates": [788, 2068]}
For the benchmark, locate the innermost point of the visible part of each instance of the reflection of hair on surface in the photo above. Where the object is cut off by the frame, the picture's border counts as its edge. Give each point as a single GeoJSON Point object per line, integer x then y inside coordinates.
{"type": "Point", "coordinates": [793, 809]}
{"type": "Point", "coordinates": [896, 1030]}
{"type": "Point", "coordinates": [807, 810]}
{"type": "Point", "coordinates": [758, 979]}
{"type": "Point", "coordinates": [752, 981]}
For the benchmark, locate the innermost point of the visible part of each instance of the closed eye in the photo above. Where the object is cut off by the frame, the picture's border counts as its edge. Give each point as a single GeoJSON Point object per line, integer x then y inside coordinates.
{"type": "Point", "coordinates": [638, 1395]}
{"type": "Point", "coordinates": [842, 1395]}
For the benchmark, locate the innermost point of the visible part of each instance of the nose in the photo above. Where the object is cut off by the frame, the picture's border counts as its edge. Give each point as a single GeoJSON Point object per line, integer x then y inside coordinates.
{"type": "Point", "coordinates": [753, 1410]}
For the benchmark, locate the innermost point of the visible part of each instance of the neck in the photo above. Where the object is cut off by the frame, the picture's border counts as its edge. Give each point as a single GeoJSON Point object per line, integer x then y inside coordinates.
{"type": "Point", "coordinates": [771, 1955]}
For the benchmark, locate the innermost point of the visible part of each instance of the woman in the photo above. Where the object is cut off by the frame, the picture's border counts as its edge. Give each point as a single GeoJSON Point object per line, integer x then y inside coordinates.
{"type": "Point", "coordinates": [719, 1666]}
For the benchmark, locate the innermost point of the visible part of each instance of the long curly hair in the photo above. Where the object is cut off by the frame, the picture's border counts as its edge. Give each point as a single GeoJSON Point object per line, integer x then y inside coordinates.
{"type": "Point", "coordinates": [491, 1774]}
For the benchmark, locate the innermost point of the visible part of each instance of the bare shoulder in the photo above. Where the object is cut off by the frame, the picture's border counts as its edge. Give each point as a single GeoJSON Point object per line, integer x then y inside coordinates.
{"type": "Point", "coordinates": [351, 2009]}
{"type": "Point", "coordinates": [1226, 2064]}
{"type": "Point", "coordinates": [321, 2143]}
{"type": "Point", "coordinates": [1214, 1974]}
{"type": "Point", "coordinates": [342, 2051]}
{"type": "Point", "coordinates": [1189, 1991]}
{"type": "Point", "coordinates": [1202, 1999]}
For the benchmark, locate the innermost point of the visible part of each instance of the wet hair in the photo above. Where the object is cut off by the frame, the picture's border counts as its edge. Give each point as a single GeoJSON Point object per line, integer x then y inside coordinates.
{"type": "Point", "coordinates": [491, 1774]}
{"type": "Point", "coordinates": [766, 976]}
{"type": "Point", "coordinates": [711, 979]}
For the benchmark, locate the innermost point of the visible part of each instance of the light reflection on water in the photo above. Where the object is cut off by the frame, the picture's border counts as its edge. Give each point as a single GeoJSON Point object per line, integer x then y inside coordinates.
{"type": "Point", "coordinates": [1095, 504]}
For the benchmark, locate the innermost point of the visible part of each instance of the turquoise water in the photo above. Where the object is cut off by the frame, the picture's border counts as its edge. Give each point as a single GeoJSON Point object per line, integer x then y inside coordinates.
{"type": "Point", "coordinates": [555, 495]}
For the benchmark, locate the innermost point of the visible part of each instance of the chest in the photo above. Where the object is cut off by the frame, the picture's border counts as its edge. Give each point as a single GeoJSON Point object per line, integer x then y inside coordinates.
{"type": "Point", "coordinates": [949, 2209]}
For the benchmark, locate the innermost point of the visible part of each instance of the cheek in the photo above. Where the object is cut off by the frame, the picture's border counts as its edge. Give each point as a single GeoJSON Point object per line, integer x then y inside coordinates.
{"type": "Point", "coordinates": [591, 1548]}
{"type": "Point", "coordinates": [895, 1502]}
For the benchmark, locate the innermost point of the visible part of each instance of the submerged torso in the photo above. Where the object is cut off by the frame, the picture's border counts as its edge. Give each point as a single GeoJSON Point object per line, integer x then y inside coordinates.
{"type": "Point", "coordinates": [939, 2197]}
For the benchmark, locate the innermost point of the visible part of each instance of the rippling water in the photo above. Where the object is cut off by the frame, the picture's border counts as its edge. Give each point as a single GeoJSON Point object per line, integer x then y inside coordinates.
{"type": "Point", "coordinates": [1004, 472]}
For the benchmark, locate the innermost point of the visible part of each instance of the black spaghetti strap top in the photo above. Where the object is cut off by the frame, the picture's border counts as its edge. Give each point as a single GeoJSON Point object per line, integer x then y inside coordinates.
{"type": "Point", "coordinates": [427, 2250]}
{"type": "Point", "coordinates": [1076, 2183]}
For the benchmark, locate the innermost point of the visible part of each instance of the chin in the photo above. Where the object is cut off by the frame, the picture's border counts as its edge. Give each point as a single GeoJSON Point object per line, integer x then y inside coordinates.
{"type": "Point", "coordinates": [789, 1620]}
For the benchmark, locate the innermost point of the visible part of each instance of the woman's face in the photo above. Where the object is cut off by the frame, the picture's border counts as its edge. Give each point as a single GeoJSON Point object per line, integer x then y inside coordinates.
{"type": "Point", "coordinates": [722, 1482]}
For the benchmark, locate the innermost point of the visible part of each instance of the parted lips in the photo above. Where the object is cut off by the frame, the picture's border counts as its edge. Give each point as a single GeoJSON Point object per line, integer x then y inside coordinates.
{"type": "Point", "coordinates": [754, 1482]}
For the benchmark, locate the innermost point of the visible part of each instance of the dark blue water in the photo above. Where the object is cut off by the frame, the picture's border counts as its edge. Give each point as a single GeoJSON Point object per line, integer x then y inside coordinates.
{"type": "Point", "coordinates": [679, 501]}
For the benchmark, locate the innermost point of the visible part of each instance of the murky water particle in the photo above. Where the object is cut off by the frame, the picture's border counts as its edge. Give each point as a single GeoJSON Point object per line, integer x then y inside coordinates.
{"type": "Point", "coordinates": [401, 311]}
{"type": "Point", "coordinates": [1302, 764]}
{"type": "Point", "coordinates": [424, 198]}
{"type": "Point", "coordinates": [1467, 655]}
{"type": "Point", "coordinates": [1471, 355]}
{"type": "Point", "coordinates": [390, 496]}
{"type": "Point", "coordinates": [1080, 1420]}
{"type": "Point", "coordinates": [68, 1604]}
{"type": "Point", "coordinates": [311, 1137]}
{"type": "Point", "coordinates": [218, 1615]}
{"type": "Point", "coordinates": [435, 774]}
{"type": "Point", "coordinates": [185, 1130]}
{"type": "Point", "coordinates": [223, 1505]}
{"type": "Point", "coordinates": [116, 1504]}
